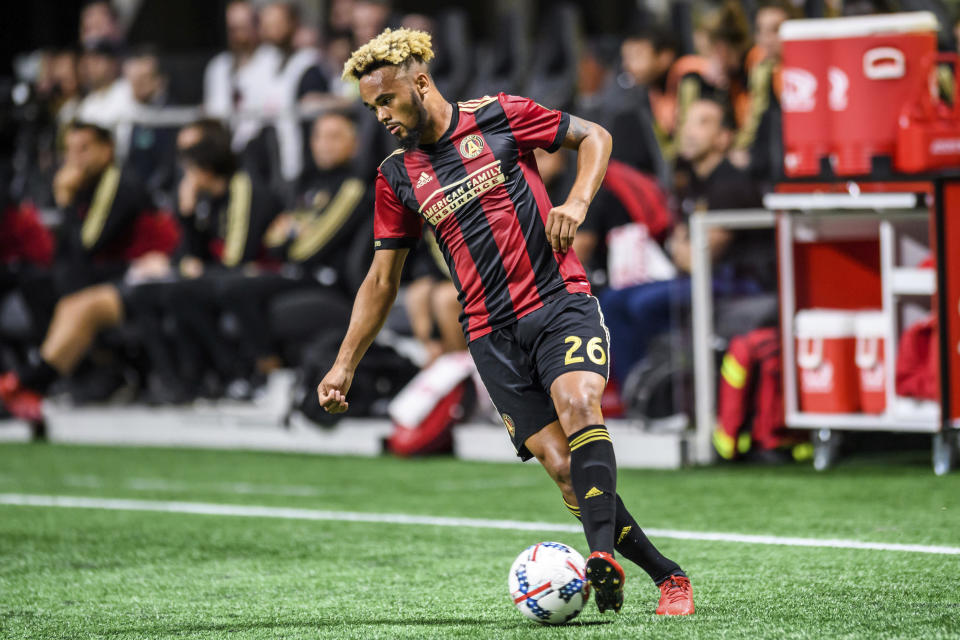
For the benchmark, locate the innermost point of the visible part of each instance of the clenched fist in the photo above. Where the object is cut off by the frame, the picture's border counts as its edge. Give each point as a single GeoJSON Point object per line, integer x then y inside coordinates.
{"type": "Point", "coordinates": [332, 390]}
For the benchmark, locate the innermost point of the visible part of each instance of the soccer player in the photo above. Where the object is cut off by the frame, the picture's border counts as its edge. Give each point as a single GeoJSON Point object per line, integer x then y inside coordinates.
{"type": "Point", "coordinates": [534, 331]}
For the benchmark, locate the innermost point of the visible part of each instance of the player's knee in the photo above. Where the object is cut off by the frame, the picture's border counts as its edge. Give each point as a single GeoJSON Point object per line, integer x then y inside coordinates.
{"type": "Point", "coordinates": [579, 409]}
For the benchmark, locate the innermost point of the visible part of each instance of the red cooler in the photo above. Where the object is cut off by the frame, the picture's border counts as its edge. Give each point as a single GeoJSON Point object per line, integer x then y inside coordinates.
{"type": "Point", "coordinates": [806, 119]}
{"type": "Point", "coordinates": [826, 367]}
{"type": "Point", "coordinates": [877, 64]}
{"type": "Point", "coordinates": [870, 328]}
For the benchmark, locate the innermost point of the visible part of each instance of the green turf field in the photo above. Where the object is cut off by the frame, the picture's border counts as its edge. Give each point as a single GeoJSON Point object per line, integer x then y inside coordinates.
{"type": "Point", "coordinates": [95, 573]}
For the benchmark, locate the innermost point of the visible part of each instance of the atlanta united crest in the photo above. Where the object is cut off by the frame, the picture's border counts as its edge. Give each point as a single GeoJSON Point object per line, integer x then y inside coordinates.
{"type": "Point", "coordinates": [508, 423]}
{"type": "Point", "coordinates": [471, 146]}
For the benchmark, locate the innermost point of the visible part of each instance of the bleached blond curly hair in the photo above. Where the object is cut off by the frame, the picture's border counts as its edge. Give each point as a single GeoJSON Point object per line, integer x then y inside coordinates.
{"type": "Point", "coordinates": [392, 47]}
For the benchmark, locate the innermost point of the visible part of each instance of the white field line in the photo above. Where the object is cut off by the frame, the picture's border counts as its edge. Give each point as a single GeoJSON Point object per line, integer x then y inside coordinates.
{"type": "Point", "coordinates": [204, 508]}
{"type": "Point", "coordinates": [249, 488]}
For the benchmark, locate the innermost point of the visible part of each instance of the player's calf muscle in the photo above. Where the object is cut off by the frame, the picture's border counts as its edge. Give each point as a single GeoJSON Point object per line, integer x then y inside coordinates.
{"type": "Point", "coordinates": [549, 446]}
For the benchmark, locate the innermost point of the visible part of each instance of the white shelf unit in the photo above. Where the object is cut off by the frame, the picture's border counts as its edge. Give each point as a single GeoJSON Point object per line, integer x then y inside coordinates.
{"type": "Point", "coordinates": [804, 217]}
{"type": "Point", "coordinates": [911, 281]}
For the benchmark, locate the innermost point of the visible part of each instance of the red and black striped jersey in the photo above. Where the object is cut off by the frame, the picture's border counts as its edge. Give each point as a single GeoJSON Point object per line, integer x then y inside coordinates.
{"type": "Point", "coordinates": [479, 188]}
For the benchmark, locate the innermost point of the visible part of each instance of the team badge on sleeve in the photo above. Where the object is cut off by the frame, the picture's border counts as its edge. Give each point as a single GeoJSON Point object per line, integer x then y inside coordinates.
{"type": "Point", "coordinates": [471, 146]}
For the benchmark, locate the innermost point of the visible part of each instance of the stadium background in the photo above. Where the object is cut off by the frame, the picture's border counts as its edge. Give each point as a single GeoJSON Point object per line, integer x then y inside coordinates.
{"type": "Point", "coordinates": [139, 517]}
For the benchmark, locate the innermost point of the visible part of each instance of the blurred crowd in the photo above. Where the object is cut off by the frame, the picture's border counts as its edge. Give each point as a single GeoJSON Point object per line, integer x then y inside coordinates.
{"type": "Point", "coordinates": [165, 251]}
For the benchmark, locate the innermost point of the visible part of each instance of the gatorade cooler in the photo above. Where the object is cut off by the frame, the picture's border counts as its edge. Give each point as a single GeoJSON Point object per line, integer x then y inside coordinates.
{"type": "Point", "coordinates": [870, 327]}
{"type": "Point", "coordinates": [803, 99]}
{"type": "Point", "coordinates": [877, 64]}
{"type": "Point", "coordinates": [928, 131]}
{"type": "Point", "coordinates": [826, 368]}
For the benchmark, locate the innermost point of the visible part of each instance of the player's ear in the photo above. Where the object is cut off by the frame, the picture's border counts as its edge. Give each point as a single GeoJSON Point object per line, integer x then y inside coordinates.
{"type": "Point", "coordinates": [422, 83]}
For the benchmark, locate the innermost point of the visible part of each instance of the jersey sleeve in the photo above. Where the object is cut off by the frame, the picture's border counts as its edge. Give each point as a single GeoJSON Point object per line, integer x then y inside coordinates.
{"type": "Point", "coordinates": [394, 225]}
{"type": "Point", "coordinates": [533, 125]}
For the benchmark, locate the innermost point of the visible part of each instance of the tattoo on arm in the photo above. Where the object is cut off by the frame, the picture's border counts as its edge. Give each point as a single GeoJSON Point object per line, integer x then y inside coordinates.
{"type": "Point", "coordinates": [576, 132]}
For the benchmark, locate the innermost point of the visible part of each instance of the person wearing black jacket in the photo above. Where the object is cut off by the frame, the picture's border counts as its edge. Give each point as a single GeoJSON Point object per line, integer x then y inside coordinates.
{"type": "Point", "coordinates": [318, 252]}
{"type": "Point", "coordinates": [109, 236]}
{"type": "Point", "coordinates": [240, 255]}
{"type": "Point", "coordinates": [99, 204]}
{"type": "Point", "coordinates": [224, 213]}
{"type": "Point", "coordinates": [320, 237]}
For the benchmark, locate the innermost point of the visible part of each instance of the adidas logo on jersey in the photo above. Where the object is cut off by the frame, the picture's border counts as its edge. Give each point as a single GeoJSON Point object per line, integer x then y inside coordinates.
{"type": "Point", "coordinates": [593, 493]}
{"type": "Point", "coordinates": [424, 179]}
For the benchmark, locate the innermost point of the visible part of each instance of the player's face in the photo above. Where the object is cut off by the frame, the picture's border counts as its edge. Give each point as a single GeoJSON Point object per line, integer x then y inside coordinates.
{"type": "Point", "coordinates": [389, 92]}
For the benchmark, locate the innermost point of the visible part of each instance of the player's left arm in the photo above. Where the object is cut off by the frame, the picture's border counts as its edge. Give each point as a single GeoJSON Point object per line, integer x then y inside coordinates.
{"type": "Point", "coordinates": [593, 144]}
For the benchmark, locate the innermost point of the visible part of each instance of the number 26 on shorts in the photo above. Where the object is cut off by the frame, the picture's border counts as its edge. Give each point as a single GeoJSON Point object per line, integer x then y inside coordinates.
{"type": "Point", "coordinates": [594, 351]}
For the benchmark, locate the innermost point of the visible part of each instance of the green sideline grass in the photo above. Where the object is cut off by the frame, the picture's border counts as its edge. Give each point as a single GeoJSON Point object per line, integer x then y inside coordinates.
{"type": "Point", "coordinates": [78, 573]}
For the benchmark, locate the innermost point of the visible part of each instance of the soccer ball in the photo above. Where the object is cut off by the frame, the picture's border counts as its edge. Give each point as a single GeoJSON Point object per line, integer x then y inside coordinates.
{"type": "Point", "coordinates": [547, 583]}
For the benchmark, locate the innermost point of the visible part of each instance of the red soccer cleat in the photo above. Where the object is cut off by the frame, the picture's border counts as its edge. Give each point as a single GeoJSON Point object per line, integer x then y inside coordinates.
{"type": "Point", "coordinates": [20, 401]}
{"type": "Point", "coordinates": [676, 597]}
{"type": "Point", "coordinates": [606, 577]}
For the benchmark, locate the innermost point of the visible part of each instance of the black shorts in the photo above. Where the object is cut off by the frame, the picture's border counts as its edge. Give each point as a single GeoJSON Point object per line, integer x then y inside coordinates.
{"type": "Point", "coordinates": [518, 363]}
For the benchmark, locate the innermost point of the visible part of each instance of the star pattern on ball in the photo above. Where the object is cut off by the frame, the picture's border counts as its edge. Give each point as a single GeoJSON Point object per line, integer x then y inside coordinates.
{"type": "Point", "coordinates": [522, 579]}
{"type": "Point", "coordinates": [537, 610]}
{"type": "Point", "coordinates": [571, 589]}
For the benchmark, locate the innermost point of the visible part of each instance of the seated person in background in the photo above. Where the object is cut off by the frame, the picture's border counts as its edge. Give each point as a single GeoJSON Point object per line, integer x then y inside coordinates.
{"type": "Point", "coordinates": [110, 235]}
{"type": "Point", "coordinates": [320, 247]}
{"type": "Point", "coordinates": [324, 246]}
{"type": "Point", "coordinates": [318, 237]}
{"type": "Point", "coordinates": [100, 204]}
{"type": "Point", "coordinates": [224, 214]}
{"type": "Point", "coordinates": [634, 315]}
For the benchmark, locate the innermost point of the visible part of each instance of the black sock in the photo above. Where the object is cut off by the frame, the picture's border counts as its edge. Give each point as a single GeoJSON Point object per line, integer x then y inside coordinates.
{"type": "Point", "coordinates": [593, 472]}
{"type": "Point", "coordinates": [634, 545]}
{"type": "Point", "coordinates": [39, 376]}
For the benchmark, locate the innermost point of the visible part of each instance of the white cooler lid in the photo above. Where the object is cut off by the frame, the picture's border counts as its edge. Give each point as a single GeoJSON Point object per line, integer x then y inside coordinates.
{"type": "Point", "coordinates": [825, 323]}
{"type": "Point", "coordinates": [870, 324]}
{"type": "Point", "coordinates": [859, 26]}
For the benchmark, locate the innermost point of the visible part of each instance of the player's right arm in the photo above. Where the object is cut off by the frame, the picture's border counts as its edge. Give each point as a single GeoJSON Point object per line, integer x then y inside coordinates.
{"type": "Point", "coordinates": [396, 230]}
{"type": "Point", "coordinates": [370, 309]}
